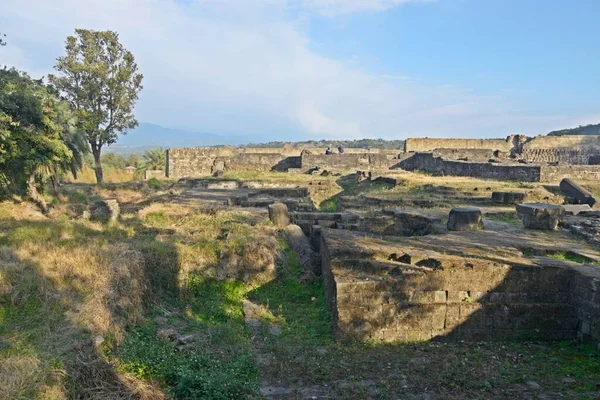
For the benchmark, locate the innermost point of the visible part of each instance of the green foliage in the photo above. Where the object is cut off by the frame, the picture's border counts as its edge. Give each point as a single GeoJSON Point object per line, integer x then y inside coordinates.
{"type": "Point", "coordinates": [299, 304]}
{"type": "Point", "coordinates": [592, 129]}
{"type": "Point", "coordinates": [334, 144]}
{"type": "Point", "coordinates": [154, 159]}
{"type": "Point", "coordinates": [330, 205]}
{"type": "Point", "coordinates": [154, 183]}
{"type": "Point", "coordinates": [99, 78]}
{"type": "Point", "coordinates": [38, 138]}
{"type": "Point", "coordinates": [199, 373]}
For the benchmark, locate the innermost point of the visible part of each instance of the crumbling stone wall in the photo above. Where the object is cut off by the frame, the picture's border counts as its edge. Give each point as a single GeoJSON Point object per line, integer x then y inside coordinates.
{"type": "Point", "coordinates": [363, 161]}
{"type": "Point", "coordinates": [551, 173]}
{"type": "Point", "coordinates": [430, 144]}
{"type": "Point", "coordinates": [428, 162]}
{"type": "Point", "coordinates": [194, 162]}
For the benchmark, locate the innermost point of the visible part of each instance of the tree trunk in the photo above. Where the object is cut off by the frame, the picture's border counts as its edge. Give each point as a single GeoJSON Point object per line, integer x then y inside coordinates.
{"type": "Point", "coordinates": [55, 184]}
{"type": "Point", "coordinates": [33, 194]}
{"type": "Point", "coordinates": [96, 150]}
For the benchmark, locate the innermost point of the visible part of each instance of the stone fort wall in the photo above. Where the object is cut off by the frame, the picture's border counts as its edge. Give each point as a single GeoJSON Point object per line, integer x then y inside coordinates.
{"type": "Point", "coordinates": [431, 163]}
{"type": "Point", "coordinates": [430, 144]}
{"type": "Point", "coordinates": [194, 162]}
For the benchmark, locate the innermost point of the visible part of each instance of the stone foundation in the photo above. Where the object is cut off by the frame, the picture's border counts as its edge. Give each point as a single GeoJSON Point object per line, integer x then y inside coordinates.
{"type": "Point", "coordinates": [425, 292]}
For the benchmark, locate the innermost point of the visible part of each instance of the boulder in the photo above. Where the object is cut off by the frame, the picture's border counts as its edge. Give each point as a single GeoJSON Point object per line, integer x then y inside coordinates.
{"type": "Point", "coordinates": [465, 219]}
{"type": "Point", "coordinates": [105, 210]}
{"type": "Point", "coordinates": [508, 197]}
{"type": "Point", "coordinates": [540, 215]}
{"type": "Point", "coordinates": [278, 214]}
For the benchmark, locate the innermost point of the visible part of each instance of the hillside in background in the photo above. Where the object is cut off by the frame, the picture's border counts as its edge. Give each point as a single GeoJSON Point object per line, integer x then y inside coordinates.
{"type": "Point", "coordinates": [580, 130]}
{"type": "Point", "coordinates": [350, 144]}
{"type": "Point", "coordinates": [148, 136]}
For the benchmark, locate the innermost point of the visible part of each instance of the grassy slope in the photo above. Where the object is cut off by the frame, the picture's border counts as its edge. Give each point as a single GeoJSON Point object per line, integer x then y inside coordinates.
{"type": "Point", "coordinates": [64, 282]}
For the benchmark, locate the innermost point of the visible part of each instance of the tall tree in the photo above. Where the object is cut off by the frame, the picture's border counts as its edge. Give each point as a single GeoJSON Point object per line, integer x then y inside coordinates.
{"type": "Point", "coordinates": [100, 79]}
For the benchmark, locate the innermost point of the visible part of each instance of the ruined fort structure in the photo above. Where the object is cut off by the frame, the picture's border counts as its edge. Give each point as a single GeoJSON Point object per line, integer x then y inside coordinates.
{"type": "Point", "coordinates": [542, 158]}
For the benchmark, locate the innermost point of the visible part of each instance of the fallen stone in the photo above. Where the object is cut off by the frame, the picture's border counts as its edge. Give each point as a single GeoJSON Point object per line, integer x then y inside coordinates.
{"type": "Point", "coordinates": [305, 255]}
{"type": "Point", "coordinates": [576, 192]}
{"type": "Point", "coordinates": [278, 214]}
{"type": "Point", "coordinates": [508, 197]}
{"type": "Point", "coordinates": [105, 210]}
{"type": "Point", "coordinates": [533, 385]}
{"type": "Point", "coordinates": [168, 334]}
{"type": "Point", "coordinates": [540, 215]}
{"type": "Point", "coordinates": [275, 330]}
{"type": "Point", "coordinates": [465, 219]}
{"type": "Point", "coordinates": [186, 339]}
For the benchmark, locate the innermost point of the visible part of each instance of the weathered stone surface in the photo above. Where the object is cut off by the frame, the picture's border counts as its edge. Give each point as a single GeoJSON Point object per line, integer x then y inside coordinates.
{"type": "Point", "coordinates": [154, 173]}
{"type": "Point", "coordinates": [278, 214]}
{"type": "Point", "coordinates": [574, 209]}
{"type": "Point", "coordinates": [105, 210]}
{"type": "Point", "coordinates": [445, 286]}
{"type": "Point", "coordinates": [408, 223]}
{"type": "Point", "coordinates": [508, 197]}
{"type": "Point", "coordinates": [540, 215]}
{"type": "Point", "coordinates": [576, 192]}
{"type": "Point", "coordinates": [305, 255]}
{"type": "Point", "coordinates": [465, 219]}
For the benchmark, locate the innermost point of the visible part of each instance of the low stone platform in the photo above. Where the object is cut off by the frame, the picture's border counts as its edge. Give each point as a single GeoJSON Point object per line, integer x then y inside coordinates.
{"type": "Point", "coordinates": [468, 285]}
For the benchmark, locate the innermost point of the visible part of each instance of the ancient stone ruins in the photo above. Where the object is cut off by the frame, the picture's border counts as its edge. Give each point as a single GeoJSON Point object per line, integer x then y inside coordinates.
{"type": "Point", "coordinates": [441, 263]}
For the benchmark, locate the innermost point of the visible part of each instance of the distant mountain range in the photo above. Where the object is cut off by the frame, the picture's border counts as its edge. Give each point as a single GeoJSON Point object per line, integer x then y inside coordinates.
{"type": "Point", "coordinates": [148, 135]}
{"type": "Point", "coordinates": [580, 130]}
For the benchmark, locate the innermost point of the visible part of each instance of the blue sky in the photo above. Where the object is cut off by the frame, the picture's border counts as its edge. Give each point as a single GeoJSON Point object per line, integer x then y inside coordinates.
{"type": "Point", "coordinates": [300, 69]}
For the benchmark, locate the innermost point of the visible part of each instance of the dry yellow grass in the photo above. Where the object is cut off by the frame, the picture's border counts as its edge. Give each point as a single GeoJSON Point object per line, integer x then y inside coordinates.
{"type": "Point", "coordinates": [111, 175]}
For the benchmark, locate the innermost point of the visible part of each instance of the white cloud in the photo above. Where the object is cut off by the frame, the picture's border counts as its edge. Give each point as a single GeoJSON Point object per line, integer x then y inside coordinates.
{"type": "Point", "coordinates": [247, 68]}
{"type": "Point", "coordinates": [331, 8]}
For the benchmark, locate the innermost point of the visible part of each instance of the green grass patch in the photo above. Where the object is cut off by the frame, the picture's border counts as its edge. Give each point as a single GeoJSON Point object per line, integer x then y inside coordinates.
{"type": "Point", "coordinates": [298, 303]}
{"type": "Point", "coordinates": [208, 372]}
{"type": "Point", "coordinates": [330, 205]}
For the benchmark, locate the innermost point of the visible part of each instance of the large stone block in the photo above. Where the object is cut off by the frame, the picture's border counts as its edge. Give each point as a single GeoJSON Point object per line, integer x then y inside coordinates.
{"type": "Point", "coordinates": [508, 197]}
{"type": "Point", "coordinates": [540, 215]}
{"type": "Point", "coordinates": [105, 210]}
{"type": "Point", "coordinates": [278, 214]}
{"type": "Point", "coordinates": [465, 219]}
{"type": "Point", "coordinates": [581, 195]}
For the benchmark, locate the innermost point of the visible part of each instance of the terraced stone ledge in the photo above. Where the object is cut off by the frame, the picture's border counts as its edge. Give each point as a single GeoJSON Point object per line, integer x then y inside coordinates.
{"type": "Point", "coordinates": [466, 286]}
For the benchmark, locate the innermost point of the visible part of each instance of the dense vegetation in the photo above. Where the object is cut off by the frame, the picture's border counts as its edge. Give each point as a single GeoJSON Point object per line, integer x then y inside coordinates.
{"type": "Point", "coordinates": [592, 129]}
{"type": "Point", "coordinates": [350, 144]}
{"type": "Point", "coordinates": [38, 137]}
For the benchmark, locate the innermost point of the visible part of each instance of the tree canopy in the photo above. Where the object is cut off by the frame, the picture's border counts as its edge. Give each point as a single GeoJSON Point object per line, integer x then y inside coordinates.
{"type": "Point", "coordinates": [100, 80]}
{"type": "Point", "coordinates": [38, 135]}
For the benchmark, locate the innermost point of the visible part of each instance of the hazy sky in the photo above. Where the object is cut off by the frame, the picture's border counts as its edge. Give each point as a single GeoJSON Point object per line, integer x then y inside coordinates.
{"type": "Point", "coordinates": [300, 69]}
